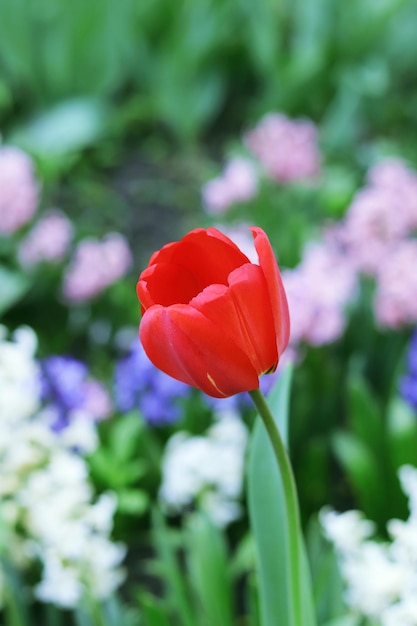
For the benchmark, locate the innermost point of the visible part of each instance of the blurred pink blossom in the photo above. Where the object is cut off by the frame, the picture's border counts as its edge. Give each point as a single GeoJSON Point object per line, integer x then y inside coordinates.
{"type": "Point", "coordinates": [382, 214]}
{"type": "Point", "coordinates": [238, 183]}
{"type": "Point", "coordinates": [97, 401]}
{"type": "Point", "coordinates": [48, 240]}
{"type": "Point", "coordinates": [396, 287]}
{"type": "Point", "coordinates": [395, 175]}
{"type": "Point", "coordinates": [288, 149]}
{"type": "Point", "coordinates": [318, 291]}
{"type": "Point", "coordinates": [96, 265]}
{"type": "Point", "coordinates": [18, 189]}
{"type": "Point", "coordinates": [242, 237]}
{"type": "Point", "coordinates": [374, 223]}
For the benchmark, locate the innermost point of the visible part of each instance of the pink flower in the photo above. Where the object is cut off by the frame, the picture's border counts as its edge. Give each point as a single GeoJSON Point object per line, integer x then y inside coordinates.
{"type": "Point", "coordinates": [48, 240]}
{"type": "Point", "coordinates": [238, 183]}
{"type": "Point", "coordinates": [381, 215]}
{"type": "Point", "coordinates": [394, 175]}
{"type": "Point", "coordinates": [396, 292]}
{"type": "Point", "coordinates": [96, 265]}
{"type": "Point", "coordinates": [375, 221]}
{"type": "Point", "coordinates": [287, 149]}
{"type": "Point", "coordinates": [97, 401]}
{"type": "Point", "coordinates": [318, 291]}
{"type": "Point", "coordinates": [18, 189]}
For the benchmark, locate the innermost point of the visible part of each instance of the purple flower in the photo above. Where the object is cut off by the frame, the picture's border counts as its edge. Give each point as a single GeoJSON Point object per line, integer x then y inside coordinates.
{"type": "Point", "coordinates": [408, 383]}
{"type": "Point", "coordinates": [66, 387]}
{"type": "Point", "coordinates": [139, 384]}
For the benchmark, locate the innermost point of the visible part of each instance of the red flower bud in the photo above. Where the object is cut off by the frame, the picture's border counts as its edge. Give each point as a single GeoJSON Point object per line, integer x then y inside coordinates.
{"type": "Point", "coordinates": [210, 317]}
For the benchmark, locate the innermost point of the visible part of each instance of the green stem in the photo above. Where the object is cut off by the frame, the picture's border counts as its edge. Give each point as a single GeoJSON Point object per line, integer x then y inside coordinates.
{"type": "Point", "coordinates": [290, 492]}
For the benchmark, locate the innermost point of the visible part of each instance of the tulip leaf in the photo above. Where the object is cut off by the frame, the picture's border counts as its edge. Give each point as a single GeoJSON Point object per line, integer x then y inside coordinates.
{"type": "Point", "coordinates": [402, 433]}
{"type": "Point", "coordinates": [209, 571]}
{"type": "Point", "coordinates": [270, 523]}
{"type": "Point", "coordinates": [13, 286]}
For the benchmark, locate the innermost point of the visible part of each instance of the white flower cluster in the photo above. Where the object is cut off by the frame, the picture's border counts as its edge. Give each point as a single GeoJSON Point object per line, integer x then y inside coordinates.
{"type": "Point", "coordinates": [207, 469]}
{"type": "Point", "coordinates": [380, 577]}
{"type": "Point", "coordinates": [47, 504]}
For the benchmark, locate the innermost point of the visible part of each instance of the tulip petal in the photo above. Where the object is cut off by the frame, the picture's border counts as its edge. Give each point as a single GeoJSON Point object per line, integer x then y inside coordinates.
{"type": "Point", "coordinates": [188, 346]}
{"type": "Point", "coordinates": [242, 311]}
{"type": "Point", "coordinates": [201, 258]}
{"type": "Point", "coordinates": [166, 284]}
{"type": "Point", "coordinates": [276, 290]}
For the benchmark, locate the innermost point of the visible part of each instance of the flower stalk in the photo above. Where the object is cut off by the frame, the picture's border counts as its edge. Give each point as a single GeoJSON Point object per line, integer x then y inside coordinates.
{"type": "Point", "coordinates": [291, 499]}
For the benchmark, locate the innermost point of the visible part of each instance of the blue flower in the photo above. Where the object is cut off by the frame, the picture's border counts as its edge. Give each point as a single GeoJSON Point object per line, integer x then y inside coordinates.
{"type": "Point", "coordinates": [139, 384]}
{"type": "Point", "coordinates": [62, 387]}
{"type": "Point", "coordinates": [408, 383]}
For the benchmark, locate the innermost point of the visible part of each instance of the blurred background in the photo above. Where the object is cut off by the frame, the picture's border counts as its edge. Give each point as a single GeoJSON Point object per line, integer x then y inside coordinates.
{"type": "Point", "coordinates": [122, 126]}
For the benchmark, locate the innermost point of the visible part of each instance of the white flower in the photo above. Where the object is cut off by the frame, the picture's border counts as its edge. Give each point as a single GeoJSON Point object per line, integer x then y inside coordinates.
{"type": "Point", "coordinates": [346, 530]}
{"type": "Point", "coordinates": [46, 499]}
{"type": "Point", "coordinates": [380, 578]}
{"type": "Point", "coordinates": [19, 380]}
{"type": "Point", "coordinates": [60, 584]}
{"type": "Point", "coordinates": [208, 469]}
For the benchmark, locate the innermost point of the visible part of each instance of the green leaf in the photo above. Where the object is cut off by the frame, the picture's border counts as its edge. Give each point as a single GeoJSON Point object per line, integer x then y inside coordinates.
{"type": "Point", "coordinates": [402, 433]}
{"type": "Point", "coordinates": [363, 473]}
{"type": "Point", "coordinates": [346, 620]}
{"type": "Point", "coordinates": [13, 286]}
{"type": "Point", "coordinates": [267, 510]}
{"type": "Point", "coordinates": [132, 501]}
{"type": "Point", "coordinates": [328, 584]}
{"type": "Point", "coordinates": [207, 565]}
{"type": "Point", "coordinates": [125, 436]}
{"type": "Point", "coordinates": [15, 600]}
{"type": "Point", "coordinates": [154, 610]}
{"type": "Point", "coordinates": [176, 587]}
{"type": "Point", "coordinates": [66, 128]}
{"type": "Point", "coordinates": [365, 415]}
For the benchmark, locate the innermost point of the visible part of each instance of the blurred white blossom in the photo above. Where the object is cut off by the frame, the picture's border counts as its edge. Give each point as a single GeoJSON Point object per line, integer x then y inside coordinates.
{"type": "Point", "coordinates": [380, 577]}
{"type": "Point", "coordinates": [46, 500]}
{"type": "Point", "coordinates": [207, 469]}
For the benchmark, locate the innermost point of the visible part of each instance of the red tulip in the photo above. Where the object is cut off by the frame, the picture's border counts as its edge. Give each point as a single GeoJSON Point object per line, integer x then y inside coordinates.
{"type": "Point", "coordinates": [210, 317]}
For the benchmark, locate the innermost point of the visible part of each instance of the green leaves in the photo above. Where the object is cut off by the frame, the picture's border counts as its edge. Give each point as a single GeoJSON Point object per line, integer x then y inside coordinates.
{"type": "Point", "coordinates": [13, 286]}
{"type": "Point", "coordinates": [272, 527]}
{"type": "Point", "coordinates": [197, 580]}
{"type": "Point", "coordinates": [376, 443]}
{"type": "Point", "coordinates": [115, 464]}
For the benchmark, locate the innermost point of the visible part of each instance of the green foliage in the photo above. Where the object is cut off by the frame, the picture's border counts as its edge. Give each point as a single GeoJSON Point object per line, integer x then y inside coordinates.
{"type": "Point", "coordinates": [202, 594]}
{"type": "Point", "coordinates": [208, 60]}
{"type": "Point", "coordinates": [373, 448]}
{"type": "Point", "coordinates": [119, 465]}
{"type": "Point", "coordinates": [13, 286]}
{"type": "Point", "coordinates": [270, 520]}
{"type": "Point", "coordinates": [327, 583]}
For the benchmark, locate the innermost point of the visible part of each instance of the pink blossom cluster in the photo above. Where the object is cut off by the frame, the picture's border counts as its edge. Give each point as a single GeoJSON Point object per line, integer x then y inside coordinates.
{"type": "Point", "coordinates": [318, 291]}
{"type": "Point", "coordinates": [97, 402]}
{"type": "Point", "coordinates": [377, 234]}
{"type": "Point", "coordinates": [96, 265]}
{"type": "Point", "coordinates": [287, 149]}
{"type": "Point", "coordinates": [48, 240]}
{"type": "Point", "coordinates": [396, 286]}
{"type": "Point", "coordinates": [381, 215]}
{"type": "Point", "coordinates": [18, 189]}
{"type": "Point", "coordinates": [238, 183]}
